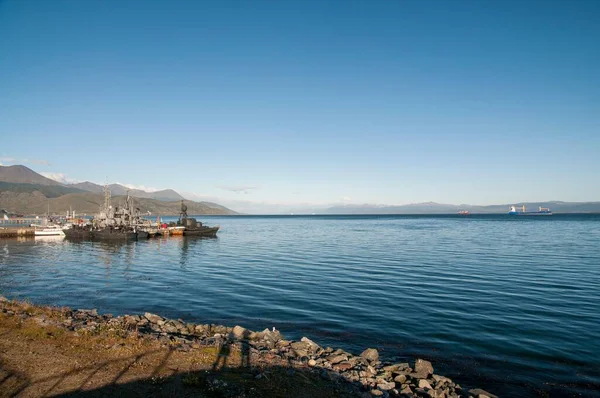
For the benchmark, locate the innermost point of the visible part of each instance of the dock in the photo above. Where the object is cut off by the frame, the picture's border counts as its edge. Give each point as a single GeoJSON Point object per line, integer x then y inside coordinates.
{"type": "Point", "coordinates": [16, 232]}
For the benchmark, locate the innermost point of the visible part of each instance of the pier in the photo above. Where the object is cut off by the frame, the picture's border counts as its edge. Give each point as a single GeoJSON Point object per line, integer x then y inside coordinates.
{"type": "Point", "coordinates": [16, 232]}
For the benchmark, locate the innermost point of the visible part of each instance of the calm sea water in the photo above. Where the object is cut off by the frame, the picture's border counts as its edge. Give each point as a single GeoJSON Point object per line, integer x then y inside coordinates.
{"type": "Point", "coordinates": [511, 305]}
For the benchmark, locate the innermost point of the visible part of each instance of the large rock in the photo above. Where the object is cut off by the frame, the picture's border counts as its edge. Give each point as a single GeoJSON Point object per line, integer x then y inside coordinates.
{"type": "Point", "coordinates": [333, 359]}
{"type": "Point", "coordinates": [400, 379]}
{"type": "Point", "coordinates": [370, 354]}
{"type": "Point", "coordinates": [271, 335]}
{"type": "Point", "coordinates": [343, 366]}
{"type": "Point", "coordinates": [312, 345]}
{"type": "Point", "coordinates": [386, 385]}
{"type": "Point", "coordinates": [441, 379]}
{"type": "Point", "coordinates": [424, 384]}
{"type": "Point", "coordinates": [153, 318]}
{"type": "Point", "coordinates": [300, 345]}
{"type": "Point", "coordinates": [477, 392]}
{"type": "Point", "coordinates": [423, 367]}
{"type": "Point", "coordinates": [239, 333]}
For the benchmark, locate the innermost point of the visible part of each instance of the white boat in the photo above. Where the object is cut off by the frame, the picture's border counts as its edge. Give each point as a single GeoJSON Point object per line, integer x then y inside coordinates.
{"type": "Point", "coordinates": [48, 230]}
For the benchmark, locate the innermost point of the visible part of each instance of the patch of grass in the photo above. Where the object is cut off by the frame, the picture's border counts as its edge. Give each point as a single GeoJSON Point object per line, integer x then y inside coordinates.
{"type": "Point", "coordinates": [37, 332]}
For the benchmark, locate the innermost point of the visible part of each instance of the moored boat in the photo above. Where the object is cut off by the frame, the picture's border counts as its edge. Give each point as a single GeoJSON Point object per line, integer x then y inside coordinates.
{"type": "Point", "coordinates": [78, 232]}
{"type": "Point", "coordinates": [178, 230]}
{"type": "Point", "coordinates": [48, 230]}
{"type": "Point", "coordinates": [110, 233]}
{"type": "Point", "coordinates": [209, 232]}
{"type": "Point", "coordinates": [192, 227]}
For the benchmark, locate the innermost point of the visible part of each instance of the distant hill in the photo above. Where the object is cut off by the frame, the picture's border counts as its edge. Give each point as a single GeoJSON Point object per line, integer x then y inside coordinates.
{"type": "Point", "coordinates": [24, 191]}
{"type": "Point", "coordinates": [165, 195]}
{"type": "Point", "coordinates": [88, 186]}
{"type": "Point", "coordinates": [49, 191]}
{"type": "Point", "coordinates": [440, 208]}
{"type": "Point", "coordinates": [36, 202]}
{"type": "Point", "coordinates": [24, 175]}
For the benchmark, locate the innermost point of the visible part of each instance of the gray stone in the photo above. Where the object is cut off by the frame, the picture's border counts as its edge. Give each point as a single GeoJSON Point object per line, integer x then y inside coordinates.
{"type": "Point", "coordinates": [179, 325]}
{"type": "Point", "coordinates": [403, 366]}
{"type": "Point", "coordinates": [300, 345]}
{"type": "Point", "coordinates": [478, 392]}
{"type": "Point", "coordinates": [377, 393]}
{"type": "Point", "coordinates": [416, 376]}
{"type": "Point", "coordinates": [406, 390]}
{"type": "Point", "coordinates": [169, 328]}
{"type": "Point", "coordinates": [200, 329]}
{"type": "Point", "coordinates": [400, 379]}
{"type": "Point", "coordinates": [343, 366]}
{"type": "Point", "coordinates": [300, 353]}
{"type": "Point", "coordinates": [283, 343]}
{"type": "Point", "coordinates": [337, 358]}
{"type": "Point", "coordinates": [270, 335]}
{"type": "Point", "coordinates": [424, 384]}
{"type": "Point", "coordinates": [239, 332]}
{"type": "Point", "coordinates": [153, 317]}
{"type": "Point", "coordinates": [423, 366]}
{"type": "Point", "coordinates": [312, 345]}
{"type": "Point", "coordinates": [441, 379]}
{"type": "Point", "coordinates": [386, 385]}
{"type": "Point", "coordinates": [370, 354]}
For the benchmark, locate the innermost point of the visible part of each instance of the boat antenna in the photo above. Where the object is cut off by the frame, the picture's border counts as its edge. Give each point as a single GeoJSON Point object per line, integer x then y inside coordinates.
{"type": "Point", "coordinates": [183, 214]}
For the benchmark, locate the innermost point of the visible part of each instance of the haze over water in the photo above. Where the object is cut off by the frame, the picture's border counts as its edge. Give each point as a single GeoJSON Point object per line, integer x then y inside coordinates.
{"type": "Point", "coordinates": [507, 304]}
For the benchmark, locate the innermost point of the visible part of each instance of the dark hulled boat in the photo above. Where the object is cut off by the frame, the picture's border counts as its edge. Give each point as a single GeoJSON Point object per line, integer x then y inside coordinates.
{"type": "Point", "coordinates": [109, 233]}
{"type": "Point", "coordinates": [78, 232]}
{"type": "Point", "coordinates": [194, 227]}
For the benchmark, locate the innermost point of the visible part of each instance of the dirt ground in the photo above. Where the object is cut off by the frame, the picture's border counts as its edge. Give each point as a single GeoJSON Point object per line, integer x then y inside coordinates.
{"type": "Point", "coordinates": [42, 360]}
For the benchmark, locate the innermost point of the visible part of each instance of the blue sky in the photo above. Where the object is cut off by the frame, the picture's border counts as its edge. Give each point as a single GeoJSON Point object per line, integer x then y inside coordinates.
{"type": "Point", "coordinates": [308, 103]}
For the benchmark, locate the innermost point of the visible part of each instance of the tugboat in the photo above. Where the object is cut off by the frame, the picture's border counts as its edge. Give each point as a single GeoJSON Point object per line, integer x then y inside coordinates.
{"type": "Point", "coordinates": [542, 211]}
{"type": "Point", "coordinates": [192, 227]}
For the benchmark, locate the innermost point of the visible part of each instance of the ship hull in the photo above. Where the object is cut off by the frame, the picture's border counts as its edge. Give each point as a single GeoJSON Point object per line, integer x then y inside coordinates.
{"type": "Point", "coordinates": [204, 232]}
{"type": "Point", "coordinates": [531, 213]}
{"type": "Point", "coordinates": [77, 233]}
{"type": "Point", "coordinates": [108, 234]}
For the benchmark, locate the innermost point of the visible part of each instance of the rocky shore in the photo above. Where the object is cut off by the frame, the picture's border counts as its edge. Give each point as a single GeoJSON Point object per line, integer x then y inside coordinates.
{"type": "Point", "coordinates": [364, 375]}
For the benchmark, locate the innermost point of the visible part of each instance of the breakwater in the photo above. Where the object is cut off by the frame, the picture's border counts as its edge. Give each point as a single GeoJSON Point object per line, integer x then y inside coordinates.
{"type": "Point", "coordinates": [17, 232]}
{"type": "Point", "coordinates": [363, 375]}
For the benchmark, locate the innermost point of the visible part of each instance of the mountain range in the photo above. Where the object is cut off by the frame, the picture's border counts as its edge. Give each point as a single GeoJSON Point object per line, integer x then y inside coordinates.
{"type": "Point", "coordinates": [440, 208]}
{"type": "Point", "coordinates": [165, 195]}
{"type": "Point", "coordinates": [24, 191]}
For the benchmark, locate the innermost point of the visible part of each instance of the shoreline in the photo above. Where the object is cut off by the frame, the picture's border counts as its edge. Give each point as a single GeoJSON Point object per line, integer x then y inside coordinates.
{"type": "Point", "coordinates": [266, 358]}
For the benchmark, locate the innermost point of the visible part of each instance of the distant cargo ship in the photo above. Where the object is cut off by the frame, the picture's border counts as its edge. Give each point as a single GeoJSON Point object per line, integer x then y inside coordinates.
{"type": "Point", "coordinates": [543, 211]}
{"type": "Point", "coordinates": [464, 213]}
